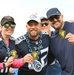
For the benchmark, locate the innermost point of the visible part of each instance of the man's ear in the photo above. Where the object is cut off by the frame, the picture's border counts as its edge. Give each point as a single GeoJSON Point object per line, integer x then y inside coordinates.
{"type": "Point", "coordinates": [62, 16]}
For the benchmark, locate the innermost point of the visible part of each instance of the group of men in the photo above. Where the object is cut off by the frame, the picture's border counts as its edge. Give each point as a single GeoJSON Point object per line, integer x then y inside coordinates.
{"type": "Point", "coordinates": [39, 47]}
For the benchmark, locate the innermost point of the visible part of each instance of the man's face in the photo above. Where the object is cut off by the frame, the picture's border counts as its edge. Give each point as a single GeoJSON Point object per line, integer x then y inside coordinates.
{"type": "Point", "coordinates": [45, 27]}
{"type": "Point", "coordinates": [33, 29]}
{"type": "Point", "coordinates": [56, 21]}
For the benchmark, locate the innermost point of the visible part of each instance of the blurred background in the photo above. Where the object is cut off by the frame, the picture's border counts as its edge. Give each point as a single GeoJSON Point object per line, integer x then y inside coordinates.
{"type": "Point", "coordinates": [21, 9]}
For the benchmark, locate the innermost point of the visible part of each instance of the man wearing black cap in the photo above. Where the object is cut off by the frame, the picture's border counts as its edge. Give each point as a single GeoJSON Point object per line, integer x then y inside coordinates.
{"type": "Point", "coordinates": [62, 40]}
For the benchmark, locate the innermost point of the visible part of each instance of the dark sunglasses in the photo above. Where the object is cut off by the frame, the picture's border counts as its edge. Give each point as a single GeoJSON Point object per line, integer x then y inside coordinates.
{"type": "Point", "coordinates": [52, 18]}
{"type": "Point", "coordinates": [46, 24]}
{"type": "Point", "coordinates": [9, 25]}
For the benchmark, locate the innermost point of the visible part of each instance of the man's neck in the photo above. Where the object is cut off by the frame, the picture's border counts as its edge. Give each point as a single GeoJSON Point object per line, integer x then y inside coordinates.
{"type": "Point", "coordinates": [34, 38]}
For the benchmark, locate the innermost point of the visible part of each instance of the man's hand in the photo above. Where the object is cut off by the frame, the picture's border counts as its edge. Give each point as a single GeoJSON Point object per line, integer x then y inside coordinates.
{"type": "Point", "coordinates": [70, 37]}
{"type": "Point", "coordinates": [28, 58]}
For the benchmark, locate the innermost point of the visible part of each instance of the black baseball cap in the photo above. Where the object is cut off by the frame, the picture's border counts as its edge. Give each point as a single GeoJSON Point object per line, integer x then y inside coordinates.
{"type": "Point", "coordinates": [52, 12]}
{"type": "Point", "coordinates": [6, 19]}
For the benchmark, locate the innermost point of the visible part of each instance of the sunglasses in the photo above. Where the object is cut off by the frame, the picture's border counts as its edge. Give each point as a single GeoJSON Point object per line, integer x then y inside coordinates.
{"type": "Point", "coordinates": [53, 17]}
{"type": "Point", "coordinates": [45, 24]}
{"type": "Point", "coordinates": [9, 25]}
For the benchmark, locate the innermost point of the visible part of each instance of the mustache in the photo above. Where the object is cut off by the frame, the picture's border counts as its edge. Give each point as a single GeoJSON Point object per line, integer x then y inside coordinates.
{"type": "Point", "coordinates": [56, 21]}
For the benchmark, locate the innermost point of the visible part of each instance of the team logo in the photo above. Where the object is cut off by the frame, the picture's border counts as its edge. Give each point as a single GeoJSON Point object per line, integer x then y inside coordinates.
{"type": "Point", "coordinates": [36, 64]}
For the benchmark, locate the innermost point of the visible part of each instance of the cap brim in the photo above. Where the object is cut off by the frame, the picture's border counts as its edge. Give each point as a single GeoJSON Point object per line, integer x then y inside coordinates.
{"type": "Point", "coordinates": [32, 20]}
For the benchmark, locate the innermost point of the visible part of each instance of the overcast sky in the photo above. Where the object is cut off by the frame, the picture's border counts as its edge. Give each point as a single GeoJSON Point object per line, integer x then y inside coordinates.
{"type": "Point", "coordinates": [21, 9]}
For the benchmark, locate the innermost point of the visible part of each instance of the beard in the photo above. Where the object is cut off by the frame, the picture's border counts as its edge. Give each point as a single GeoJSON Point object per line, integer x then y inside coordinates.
{"type": "Point", "coordinates": [33, 34]}
{"type": "Point", "coordinates": [58, 27]}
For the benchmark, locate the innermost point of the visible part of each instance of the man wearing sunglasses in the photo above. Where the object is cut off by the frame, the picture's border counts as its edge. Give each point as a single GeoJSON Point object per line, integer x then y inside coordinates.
{"type": "Point", "coordinates": [62, 40]}
{"type": "Point", "coordinates": [54, 68]}
{"type": "Point", "coordinates": [45, 27]}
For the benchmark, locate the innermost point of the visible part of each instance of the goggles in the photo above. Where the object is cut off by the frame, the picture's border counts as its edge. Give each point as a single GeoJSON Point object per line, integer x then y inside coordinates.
{"type": "Point", "coordinates": [9, 25]}
{"type": "Point", "coordinates": [45, 24]}
{"type": "Point", "coordinates": [53, 17]}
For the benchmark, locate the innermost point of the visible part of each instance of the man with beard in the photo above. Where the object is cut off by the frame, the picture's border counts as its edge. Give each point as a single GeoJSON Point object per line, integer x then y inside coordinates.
{"type": "Point", "coordinates": [35, 43]}
{"type": "Point", "coordinates": [62, 40]}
